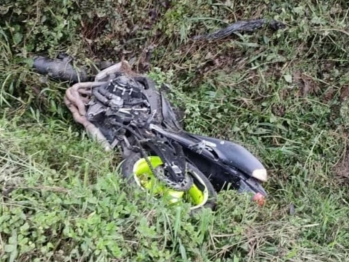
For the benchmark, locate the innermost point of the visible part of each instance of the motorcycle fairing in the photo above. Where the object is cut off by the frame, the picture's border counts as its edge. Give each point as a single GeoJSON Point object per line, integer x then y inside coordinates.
{"type": "Point", "coordinates": [229, 153]}
{"type": "Point", "coordinates": [232, 154]}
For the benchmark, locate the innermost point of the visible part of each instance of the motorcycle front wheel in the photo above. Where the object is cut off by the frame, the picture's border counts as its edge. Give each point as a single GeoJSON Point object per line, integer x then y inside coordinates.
{"type": "Point", "coordinates": [136, 171]}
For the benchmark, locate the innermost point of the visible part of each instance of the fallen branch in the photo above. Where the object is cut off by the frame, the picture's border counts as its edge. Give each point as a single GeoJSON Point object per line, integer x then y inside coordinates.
{"type": "Point", "coordinates": [240, 26]}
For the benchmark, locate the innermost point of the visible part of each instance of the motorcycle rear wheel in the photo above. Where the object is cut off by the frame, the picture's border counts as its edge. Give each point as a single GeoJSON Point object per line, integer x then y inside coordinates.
{"type": "Point", "coordinates": [136, 171]}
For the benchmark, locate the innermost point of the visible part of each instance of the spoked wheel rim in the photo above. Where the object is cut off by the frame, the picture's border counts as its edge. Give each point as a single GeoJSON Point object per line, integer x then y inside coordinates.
{"type": "Point", "coordinates": [197, 195]}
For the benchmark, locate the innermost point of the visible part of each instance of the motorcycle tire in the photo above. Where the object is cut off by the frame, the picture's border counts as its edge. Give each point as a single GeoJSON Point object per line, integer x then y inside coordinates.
{"type": "Point", "coordinates": [137, 172]}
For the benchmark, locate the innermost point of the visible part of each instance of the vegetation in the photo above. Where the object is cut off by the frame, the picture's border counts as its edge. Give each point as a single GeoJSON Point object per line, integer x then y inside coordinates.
{"type": "Point", "coordinates": [281, 94]}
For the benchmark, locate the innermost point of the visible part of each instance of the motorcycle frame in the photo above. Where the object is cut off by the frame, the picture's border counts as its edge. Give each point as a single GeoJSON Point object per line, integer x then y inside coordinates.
{"type": "Point", "coordinates": [220, 174]}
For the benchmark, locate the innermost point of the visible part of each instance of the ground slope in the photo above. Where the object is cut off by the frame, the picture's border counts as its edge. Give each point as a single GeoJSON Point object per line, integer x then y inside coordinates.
{"type": "Point", "coordinates": [282, 94]}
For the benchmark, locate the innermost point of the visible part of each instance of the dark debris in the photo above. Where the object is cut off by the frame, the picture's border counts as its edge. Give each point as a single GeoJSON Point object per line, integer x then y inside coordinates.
{"type": "Point", "coordinates": [241, 26]}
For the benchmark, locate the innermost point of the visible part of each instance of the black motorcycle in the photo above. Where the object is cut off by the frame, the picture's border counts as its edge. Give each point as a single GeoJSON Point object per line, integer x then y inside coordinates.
{"type": "Point", "coordinates": [127, 111]}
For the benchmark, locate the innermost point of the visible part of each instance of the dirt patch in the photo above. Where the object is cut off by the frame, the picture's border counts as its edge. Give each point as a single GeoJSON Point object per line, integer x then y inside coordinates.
{"type": "Point", "coordinates": [278, 109]}
{"type": "Point", "coordinates": [344, 93]}
{"type": "Point", "coordinates": [342, 168]}
{"type": "Point", "coordinates": [306, 83]}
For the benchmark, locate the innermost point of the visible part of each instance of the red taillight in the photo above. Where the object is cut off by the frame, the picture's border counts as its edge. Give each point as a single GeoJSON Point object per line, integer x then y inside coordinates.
{"type": "Point", "coordinates": [259, 198]}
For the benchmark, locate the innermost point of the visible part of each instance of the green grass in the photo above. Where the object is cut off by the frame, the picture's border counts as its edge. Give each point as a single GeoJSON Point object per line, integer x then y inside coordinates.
{"type": "Point", "coordinates": [283, 95]}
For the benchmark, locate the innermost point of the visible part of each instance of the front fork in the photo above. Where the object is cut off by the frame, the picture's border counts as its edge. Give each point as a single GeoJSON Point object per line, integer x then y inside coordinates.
{"type": "Point", "coordinates": [171, 155]}
{"type": "Point", "coordinates": [173, 158]}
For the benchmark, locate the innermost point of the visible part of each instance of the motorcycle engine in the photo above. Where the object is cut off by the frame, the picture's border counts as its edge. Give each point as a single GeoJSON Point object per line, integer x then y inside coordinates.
{"type": "Point", "coordinates": [120, 101]}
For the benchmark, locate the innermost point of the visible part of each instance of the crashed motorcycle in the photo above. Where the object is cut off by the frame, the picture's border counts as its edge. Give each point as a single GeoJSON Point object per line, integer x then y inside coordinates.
{"type": "Point", "coordinates": [128, 111]}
